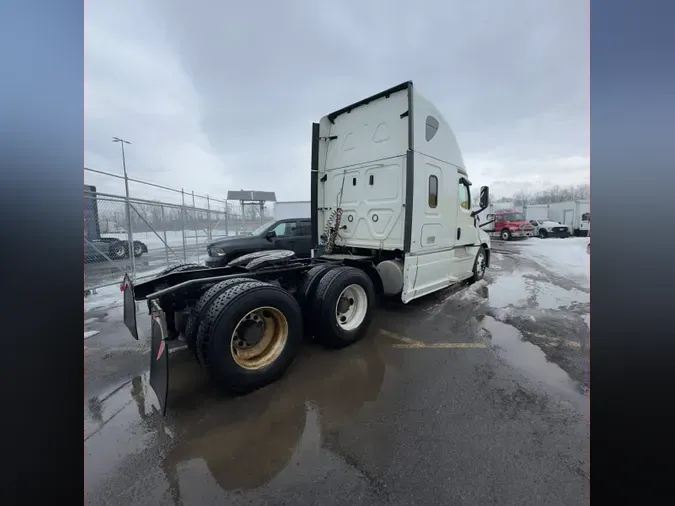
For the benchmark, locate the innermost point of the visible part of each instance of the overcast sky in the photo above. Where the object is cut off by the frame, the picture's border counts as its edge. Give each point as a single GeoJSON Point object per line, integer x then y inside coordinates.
{"type": "Point", "coordinates": [218, 95]}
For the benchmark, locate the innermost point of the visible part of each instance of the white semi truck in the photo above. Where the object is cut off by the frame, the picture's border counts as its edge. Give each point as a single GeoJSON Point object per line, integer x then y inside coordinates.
{"type": "Point", "coordinates": [391, 215]}
{"type": "Point", "coordinates": [576, 214]}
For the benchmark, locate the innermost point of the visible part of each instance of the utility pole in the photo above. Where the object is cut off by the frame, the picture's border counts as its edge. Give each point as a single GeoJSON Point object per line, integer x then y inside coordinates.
{"type": "Point", "coordinates": [130, 235]}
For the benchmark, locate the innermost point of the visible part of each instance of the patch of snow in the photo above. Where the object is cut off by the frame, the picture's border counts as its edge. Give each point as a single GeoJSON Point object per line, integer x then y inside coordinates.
{"type": "Point", "coordinates": [111, 296]}
{"type": "Point", "coordinates": [91, 320]}
{"type": "Point", "coordinates": [504, 313]}
{"type": "Point", "coordinates": [90, 333]}
{"type": "Point", "coordinates": [174, 238]}
{"type": "Point", "coordinates": [106, 297]}
{"type": "Point", "coordinates": [565, 257]}
{"type": "Point", "coordinates": [516, 288]}
{"type": "Point", "coordinates": [510, 289]}
{"type": "Point", "coordinates": [550, 296]}
{"type": "Point", "coordinates": [472, 292]}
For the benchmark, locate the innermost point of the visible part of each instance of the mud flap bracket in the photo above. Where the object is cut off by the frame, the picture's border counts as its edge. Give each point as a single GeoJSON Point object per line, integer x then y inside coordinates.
{"type": "Point", "coordinates": [129, 306]}
{"type": "Point", "coordinates": [159, 357]}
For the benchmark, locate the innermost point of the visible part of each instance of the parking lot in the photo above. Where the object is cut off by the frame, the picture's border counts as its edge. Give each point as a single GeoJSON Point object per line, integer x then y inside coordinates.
{"type": "Point", "coordinates": [474, 395]}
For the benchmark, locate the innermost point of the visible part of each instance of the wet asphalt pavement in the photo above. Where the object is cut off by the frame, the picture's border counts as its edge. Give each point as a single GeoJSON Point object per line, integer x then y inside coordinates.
{"type": "Point", "coordinates": [502, 420]}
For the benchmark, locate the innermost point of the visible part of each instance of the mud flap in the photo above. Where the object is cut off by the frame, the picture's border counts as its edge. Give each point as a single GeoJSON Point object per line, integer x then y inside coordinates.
{"type": "Point", "coordinates": [159, 359]}
{"type": "Point", "coordinates": [129, 306]}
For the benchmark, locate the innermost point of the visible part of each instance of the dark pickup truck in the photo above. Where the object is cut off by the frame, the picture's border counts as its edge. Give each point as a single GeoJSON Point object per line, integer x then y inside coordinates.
{"type": "Point", "coordinates": [289, 234]}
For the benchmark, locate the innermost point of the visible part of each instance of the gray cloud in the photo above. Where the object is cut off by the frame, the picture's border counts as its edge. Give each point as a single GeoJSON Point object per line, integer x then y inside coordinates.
{"type": "Point", "coordinates": [217, 95]}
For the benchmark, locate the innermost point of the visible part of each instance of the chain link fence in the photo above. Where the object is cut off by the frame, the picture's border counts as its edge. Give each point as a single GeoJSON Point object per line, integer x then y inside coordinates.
{"type": "Point", "coordinates": [161, 233]}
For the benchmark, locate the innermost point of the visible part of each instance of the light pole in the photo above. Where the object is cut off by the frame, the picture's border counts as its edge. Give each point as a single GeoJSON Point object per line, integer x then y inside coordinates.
{"type": "Point", "coordinates": [130, 235]}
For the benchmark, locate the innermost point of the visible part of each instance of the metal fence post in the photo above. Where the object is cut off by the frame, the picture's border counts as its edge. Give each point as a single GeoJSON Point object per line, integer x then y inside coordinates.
{"type": "Point", "coordinates": [166, 243]}
{"type": "Point", "coordinates": [208, 220]}
{"type": "Point", "coordinates": [196, 225]}
{"type": "Point", "coordinates": [130, 234]}
{"type": "Point", "coordinates": [182, 216]}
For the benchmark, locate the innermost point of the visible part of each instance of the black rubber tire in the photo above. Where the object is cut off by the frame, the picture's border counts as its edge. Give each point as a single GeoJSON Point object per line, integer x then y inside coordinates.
{"type": "Point", "coordinates": [478, 274]}
{"type": "Point", "coordinates": [217, 326]}
{"type": "Point", "coordinates": [505, 234]}
{"type": "Point", "coordinates": [326, 330]}
{"type": "Point", "coordinates": [206, 321]}
{"type": "Point", "coordinates": [117, 250]}
{"type": "Point", "coordinates": [139, 246]}
{"type": "Point", "coordinates": [199, 310]}
{"type": "Point", "coordinates": [543, 234]}
{"type": "Point", "coordinates": [310, 281]}
{"type": "Point", "coordinates": [305, 294]}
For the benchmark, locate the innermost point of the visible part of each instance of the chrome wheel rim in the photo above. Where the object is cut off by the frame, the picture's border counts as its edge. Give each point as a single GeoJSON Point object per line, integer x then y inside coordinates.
{"type": "Point", "coordinates": [351, 307]}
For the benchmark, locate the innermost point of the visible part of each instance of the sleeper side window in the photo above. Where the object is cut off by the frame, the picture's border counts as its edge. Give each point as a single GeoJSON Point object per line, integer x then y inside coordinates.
{"type": "Point", "coordinates": [464, 196]}
{"type": "Point", "coordinates": [431, 128]}
{"type": "Point", "coordinates": [433, 191]}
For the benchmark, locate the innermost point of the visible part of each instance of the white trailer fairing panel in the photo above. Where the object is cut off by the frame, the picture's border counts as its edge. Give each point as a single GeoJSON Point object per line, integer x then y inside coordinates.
{"type": "Point", "coordinates": [362, 158]}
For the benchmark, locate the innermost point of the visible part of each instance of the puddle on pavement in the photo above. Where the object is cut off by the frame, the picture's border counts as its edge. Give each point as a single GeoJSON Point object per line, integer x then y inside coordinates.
{"type": "Point", "coordinates": [531, 360]}
{"type": "Point", "coordinates": [245, 442]}
{"type": "Point", "coordinates": [509, 289]}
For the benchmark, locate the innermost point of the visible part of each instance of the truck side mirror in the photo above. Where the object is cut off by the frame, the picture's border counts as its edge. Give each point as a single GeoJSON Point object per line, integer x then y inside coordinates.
{"type": "Point", "coordinates": [270, 235]}
{"type": "Point", "coordinates": [484, 196]}
{"type": "Point", "coordinates": [483, 200]}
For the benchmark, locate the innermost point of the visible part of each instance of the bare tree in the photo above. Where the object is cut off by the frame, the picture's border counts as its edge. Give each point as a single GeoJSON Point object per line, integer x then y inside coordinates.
{"type": "Point", "coordinates": [549, 196]}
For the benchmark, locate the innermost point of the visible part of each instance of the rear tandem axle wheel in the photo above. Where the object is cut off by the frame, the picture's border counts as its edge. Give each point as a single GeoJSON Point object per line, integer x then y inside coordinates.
{"type": "Point", "coordinates": [246, 333]}
{"type": "Point", "coordinates": [249, 335]}
{"type": "Point", "coordinates": [259, 338]}
{"type": "Point", "coordinates": [342, 307]}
